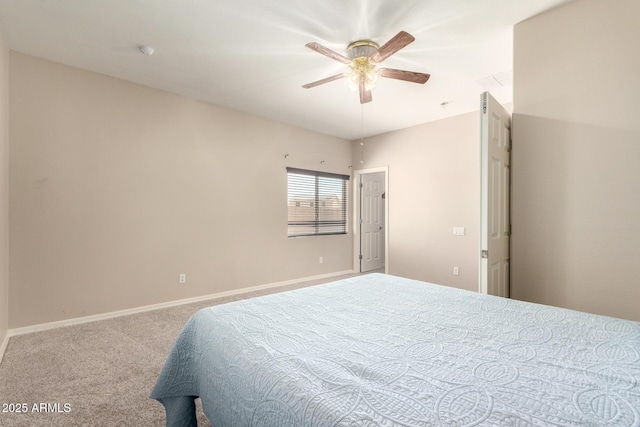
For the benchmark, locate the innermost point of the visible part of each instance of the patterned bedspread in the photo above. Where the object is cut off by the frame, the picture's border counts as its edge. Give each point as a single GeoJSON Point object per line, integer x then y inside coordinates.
{"type": "Point", "coordinates": [379, 350]}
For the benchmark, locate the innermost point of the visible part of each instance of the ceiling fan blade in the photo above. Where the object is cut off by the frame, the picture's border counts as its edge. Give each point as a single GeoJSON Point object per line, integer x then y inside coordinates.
{"type": "Point", "coordinates": [365, 95]}
{"type": "Point", "coordinates": [408, 76]}
{"type": "Point", "coordinates": [328, 52]}
{"type": "Point", "coordinates": [399, 41]}
{"type": "Point", "coordinates": [326, 80]}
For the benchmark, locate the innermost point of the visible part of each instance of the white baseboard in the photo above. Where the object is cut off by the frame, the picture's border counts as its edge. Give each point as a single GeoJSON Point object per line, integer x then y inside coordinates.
{"type": "Point", "coordinates": [110, 315]}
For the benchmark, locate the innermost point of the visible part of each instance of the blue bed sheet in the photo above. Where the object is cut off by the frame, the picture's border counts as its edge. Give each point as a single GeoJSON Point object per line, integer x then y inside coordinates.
{"type": "Point", "coordinates": [379, 350]}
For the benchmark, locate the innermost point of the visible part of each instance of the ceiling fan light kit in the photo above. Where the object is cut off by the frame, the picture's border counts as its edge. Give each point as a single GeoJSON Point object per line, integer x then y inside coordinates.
{"type": "Point", "coordinates": [362, 67]}
{"type": "Point", "coordinates": [363, 58]}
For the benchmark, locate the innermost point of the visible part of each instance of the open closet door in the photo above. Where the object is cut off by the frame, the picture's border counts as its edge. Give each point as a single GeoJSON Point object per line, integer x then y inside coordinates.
{"type": "Point", "coordinates": [495, 221]}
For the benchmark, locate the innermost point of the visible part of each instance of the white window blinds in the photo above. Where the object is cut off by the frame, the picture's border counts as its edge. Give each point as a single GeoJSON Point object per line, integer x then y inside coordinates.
{"type": "Point", "coordinates": [317, 202]}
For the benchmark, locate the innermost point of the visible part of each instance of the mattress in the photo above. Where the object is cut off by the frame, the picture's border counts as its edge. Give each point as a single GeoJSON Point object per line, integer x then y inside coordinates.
{"type": "Point", "coordinates": [379, 350]}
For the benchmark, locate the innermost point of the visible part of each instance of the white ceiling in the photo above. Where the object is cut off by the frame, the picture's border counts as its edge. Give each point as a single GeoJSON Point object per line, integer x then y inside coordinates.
{"type": "Point", "coordinates": [250, 55]}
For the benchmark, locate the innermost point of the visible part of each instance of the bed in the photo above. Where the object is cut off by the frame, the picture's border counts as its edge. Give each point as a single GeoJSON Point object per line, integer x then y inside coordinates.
{"type": "Point", "coordinates": [379, 350]}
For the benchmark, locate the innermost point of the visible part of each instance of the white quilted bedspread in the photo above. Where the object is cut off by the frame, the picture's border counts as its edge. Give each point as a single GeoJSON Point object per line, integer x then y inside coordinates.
{"type": "Point", "coordinates": [378, 350]}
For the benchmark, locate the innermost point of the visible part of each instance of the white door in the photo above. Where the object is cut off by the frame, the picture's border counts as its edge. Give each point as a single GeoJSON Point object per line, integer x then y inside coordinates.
{"type": "Point", "coordinates": [495, 223]}
{"type": "Point", "coordinates": [372, 221]}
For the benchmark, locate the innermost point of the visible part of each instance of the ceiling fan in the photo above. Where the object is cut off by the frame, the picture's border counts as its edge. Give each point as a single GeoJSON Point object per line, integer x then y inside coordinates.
{"type": "Point", "coordinates": [363, 58]}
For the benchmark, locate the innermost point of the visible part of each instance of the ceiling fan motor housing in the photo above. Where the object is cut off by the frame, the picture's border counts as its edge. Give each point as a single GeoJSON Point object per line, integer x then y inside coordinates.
{"type": "Point", "coordinates": [361, 49]}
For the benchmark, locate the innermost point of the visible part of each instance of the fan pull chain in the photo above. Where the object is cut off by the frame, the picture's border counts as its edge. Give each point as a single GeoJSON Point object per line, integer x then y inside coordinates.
{"type": "Point", "coordinates": [361, 134]}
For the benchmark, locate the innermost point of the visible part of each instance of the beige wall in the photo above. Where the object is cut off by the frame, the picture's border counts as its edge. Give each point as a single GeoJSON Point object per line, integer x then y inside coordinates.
{"type": "Point", "coordinates": [4, 190]}
{"type": "Point", "coordinates": [433, 186]}
{"type": "Point", "coordinates": [117, 188]}
{"type": "Point", "coordinates": [576, 156]}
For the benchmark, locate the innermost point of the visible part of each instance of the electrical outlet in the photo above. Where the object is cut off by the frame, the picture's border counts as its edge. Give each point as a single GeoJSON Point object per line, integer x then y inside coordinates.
{"type": "Point", "coordinates": [459, 231]}
{"type": "Point", "coordinates": [456, 271]}
{"type": "Point", "coordinates": [321, 260]}
{"type": "Point", "coordinates": [182, 279]}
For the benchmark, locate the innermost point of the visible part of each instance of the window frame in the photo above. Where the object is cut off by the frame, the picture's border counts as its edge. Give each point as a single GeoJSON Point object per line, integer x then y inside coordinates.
{"type": "Point", "coordinates": [317, 223]}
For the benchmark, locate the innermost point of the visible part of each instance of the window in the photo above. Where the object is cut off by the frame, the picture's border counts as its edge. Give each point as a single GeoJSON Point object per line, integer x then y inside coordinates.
{"type": "Point", "coordinates": [316, 202]}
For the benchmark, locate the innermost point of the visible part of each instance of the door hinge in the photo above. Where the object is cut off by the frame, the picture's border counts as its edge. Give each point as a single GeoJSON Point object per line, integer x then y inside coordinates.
{"type": "Point", "coordinates": [484, 253]}
{"type": "Point", "coordinates": [360, 258]}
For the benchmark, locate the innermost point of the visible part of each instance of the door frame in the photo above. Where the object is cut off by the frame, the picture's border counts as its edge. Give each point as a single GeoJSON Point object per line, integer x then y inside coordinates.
{"type": "Point", "coordinates": [356, 215]}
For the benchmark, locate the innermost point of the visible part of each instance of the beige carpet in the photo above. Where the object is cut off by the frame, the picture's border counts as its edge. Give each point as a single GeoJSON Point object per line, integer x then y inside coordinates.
{"type": "Point", "coordinates": [96, 374]}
